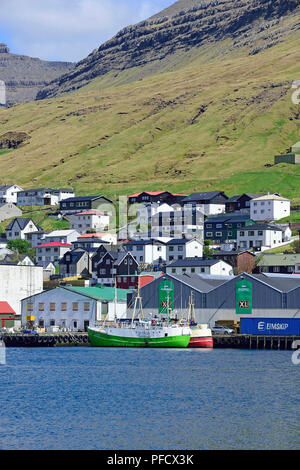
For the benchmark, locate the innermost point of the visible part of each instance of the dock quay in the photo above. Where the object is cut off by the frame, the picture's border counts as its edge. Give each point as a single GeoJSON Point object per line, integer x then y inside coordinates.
{"type": "Point", "coordinates": [45, 340]}
{"type": "Point", "coordinates": [271, 342]}
{"type": "Point", "coordinates": [236, 341]}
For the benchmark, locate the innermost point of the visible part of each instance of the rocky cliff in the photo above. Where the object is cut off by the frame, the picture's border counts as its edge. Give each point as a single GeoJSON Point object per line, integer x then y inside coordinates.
{"type": "Point", "coordinates": [186, 25]}
{"type": "Point", "coordinates": [25, 76]}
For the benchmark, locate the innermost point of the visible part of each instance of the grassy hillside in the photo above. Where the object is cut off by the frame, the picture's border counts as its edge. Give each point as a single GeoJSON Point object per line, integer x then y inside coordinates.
{"type": "Point", "coordinates": [213, 123]}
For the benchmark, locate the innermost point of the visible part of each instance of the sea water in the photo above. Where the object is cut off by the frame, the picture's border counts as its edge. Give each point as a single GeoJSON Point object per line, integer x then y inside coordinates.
{"type": "Point", "coordinates": [148, 399]}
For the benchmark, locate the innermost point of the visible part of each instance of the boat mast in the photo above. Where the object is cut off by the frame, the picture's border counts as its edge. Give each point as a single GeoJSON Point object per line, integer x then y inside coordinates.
{"type": "Point", "coordinates": [137, 301]}
{"type": "Point", "coordinates": [191, 313]}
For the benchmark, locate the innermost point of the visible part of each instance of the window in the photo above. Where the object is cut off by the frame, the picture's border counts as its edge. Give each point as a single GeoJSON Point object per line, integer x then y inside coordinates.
{"type": "Point", "coordinates": [229, 234]}
{"type": "Point", "coordinates": [276, 269]}
{"type": "Point", "coordinates": [219, 234]}
{"type": "Point", "coordinates": [171, 248]}
{"type": "Point", "coordinates": [174, 270]}
{"type": "Point", "coordinates": [260, 233]}
{"type": "Point", "coordinates": [251, 233]}
{"type": "Point", "coordinates": [75, 306]}
{"type": "Point", "coordinates": [52, 322]}
{"type": "Point", "coordinates": [180, 248]}
{"type": "Point", "coordinates": [208, 225]}
{"type": "Point", "coordinates": [52, 306]}
{"type": "Point", "coordinates": [203, 270]}
{"type": "Point", "coordinates": [209, 234]}
{"type": "Point", "coordinates": [219, 226]}
{"type": "Point", "coordinates": [192, 270]}
{"type": "Point", "coordinates": [29, 306]}
{"type": "Point", "coordinates": [86, 306]}
{"type": "Point", "coordinates": [64, 306]}
{"type": "Point", "coordinates": [41, 306]}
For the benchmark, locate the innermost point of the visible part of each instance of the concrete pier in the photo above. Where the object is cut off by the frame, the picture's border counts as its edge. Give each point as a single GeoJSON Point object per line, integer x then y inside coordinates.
{"type": "Point", "coordinates": [46, 340]}
{"type": "Point", "coordinates": [254, 342]}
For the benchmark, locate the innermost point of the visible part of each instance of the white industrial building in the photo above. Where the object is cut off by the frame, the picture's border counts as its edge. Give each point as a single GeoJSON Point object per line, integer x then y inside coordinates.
{"type": "Point", "coordinates": [75, 308]}
{"type": "Point", "coordinates": [18, 282]}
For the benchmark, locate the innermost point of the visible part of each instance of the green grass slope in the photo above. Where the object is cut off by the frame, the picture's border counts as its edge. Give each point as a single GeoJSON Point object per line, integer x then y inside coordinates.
{"type": "Point", "coordinates": [212, 123]}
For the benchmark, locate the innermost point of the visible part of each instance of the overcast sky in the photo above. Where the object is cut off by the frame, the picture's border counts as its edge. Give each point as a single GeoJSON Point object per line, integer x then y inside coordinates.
{"type": "Point", "coordinates": [68, 29]}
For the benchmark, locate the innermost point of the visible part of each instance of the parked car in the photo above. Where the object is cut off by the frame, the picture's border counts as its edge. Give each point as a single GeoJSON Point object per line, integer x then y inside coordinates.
{"type": "Point", "coordinates": [222, 330]}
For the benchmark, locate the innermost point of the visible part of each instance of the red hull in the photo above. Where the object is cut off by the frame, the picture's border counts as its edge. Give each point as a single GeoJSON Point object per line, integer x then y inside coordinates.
{"type": "Point", "coordinates": [201, 342]}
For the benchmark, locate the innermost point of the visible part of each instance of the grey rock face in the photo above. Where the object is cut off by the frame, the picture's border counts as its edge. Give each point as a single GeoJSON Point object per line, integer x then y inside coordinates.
{"type": "Point", "coordinates": [185, 25]}
{"type": "Point", "coordinates": [24, 76]}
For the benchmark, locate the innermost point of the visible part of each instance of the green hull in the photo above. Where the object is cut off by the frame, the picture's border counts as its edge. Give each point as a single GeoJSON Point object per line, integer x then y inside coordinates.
{"type": "Point", "coordinates": [98, 339]}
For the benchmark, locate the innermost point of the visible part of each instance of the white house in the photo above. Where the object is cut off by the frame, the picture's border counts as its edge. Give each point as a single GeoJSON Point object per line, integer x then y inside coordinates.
{"type": "Point", "coordinates": [200, 266]}
{"type": "Point", "coordinates": [91, 241]}
{"type": "Point", "coordinates": [174, 224]}
{"type": "Point", "coordinates": [147, 251]}
{"type": "Point", "coordinates": [8, 193]}
{"type": "Point", "coordinates": [18, 282]}
{"type": "Point", "coordinates": [18, 228]}
{"type": "Point", "coordinates": [51, 252]}
{"type": "Point", "coordinates": [269, 207]}
{"type": "Point", "coordinates": [259, 236]}
{"type": "Point", "coordinates": [75, 308]}
{"type": "Point", "coordinates": [61, 236]}
{"type": "Point", "coordinates": [43, 196]}
{"type": "Point", "coordinates": [180, 248]}
{"type": "Point", "coordinates": [208, 203]}
{"type": "Point", "coordinates": [92, 219]}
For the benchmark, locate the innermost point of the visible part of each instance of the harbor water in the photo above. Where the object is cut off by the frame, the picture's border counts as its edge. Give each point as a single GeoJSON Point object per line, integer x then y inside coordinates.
{"type": "Point", "coordinates": [127, 399]}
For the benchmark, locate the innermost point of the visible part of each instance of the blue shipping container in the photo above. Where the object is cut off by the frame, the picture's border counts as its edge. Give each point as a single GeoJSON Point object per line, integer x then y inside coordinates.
{"type": "Point", "coordinates": [270, 326]}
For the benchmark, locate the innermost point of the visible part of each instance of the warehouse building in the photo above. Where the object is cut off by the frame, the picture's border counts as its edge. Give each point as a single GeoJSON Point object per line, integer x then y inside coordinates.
{"type": "Point", "coordinates": [227, 297]}
{"type": "Point", "coordinates": [75, 308]}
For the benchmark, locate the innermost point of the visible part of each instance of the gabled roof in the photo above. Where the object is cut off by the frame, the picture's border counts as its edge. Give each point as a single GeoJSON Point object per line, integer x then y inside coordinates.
{"type": "Point", "coordinates": [5, 308]}
{"type": "Point", "coordinates": [262, 227]}
{"type": "Point", "coordinates": [61, 233]}
{"type": "Point", "coordinates": [54, 244]}
{"type": "Point", "coordinates": [143, 242]}
{"type": "Point", "coordinates": [181, 241]}
{"type": "Point", "coordinates": [193, 262]}
{"type": "Point", "coordinates": [84, 198]}
{"type": "Point", "coordinates": [205, 196]}
{"type": "Point", "coordinates": [270, 197]}
{"type": "Point", "coordinates": [75, 257]}
{"type": "Point", "coordinates": [100, 293]}
{"type": "Point", "coordinates": [90, 212]}
{"type": "Point", "coordinates": [156, 193]}
{"type": "Point", "coordinates": [22, 223]}
{"type": "Point", "coordinates": [272, 259]}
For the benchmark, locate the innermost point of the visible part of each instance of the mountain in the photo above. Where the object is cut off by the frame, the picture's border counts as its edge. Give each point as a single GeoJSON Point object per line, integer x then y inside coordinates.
{"type": "Point", "coordinates": [159, 42]}
{"type": "Point", "coordinates": [207, 116]}
{"type": "Point", "coordinates": [25, 76]}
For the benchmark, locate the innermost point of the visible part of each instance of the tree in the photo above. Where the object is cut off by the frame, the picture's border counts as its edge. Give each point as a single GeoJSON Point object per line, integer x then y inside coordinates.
{"type": "Point", "coordinates": [22, 247]}
{"type": "Point", "coordinates": [207, 251]}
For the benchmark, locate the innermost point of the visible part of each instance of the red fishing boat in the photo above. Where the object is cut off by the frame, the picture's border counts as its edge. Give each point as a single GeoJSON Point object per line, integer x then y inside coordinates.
{"type": "Point", "coordinates": [201, 335]}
